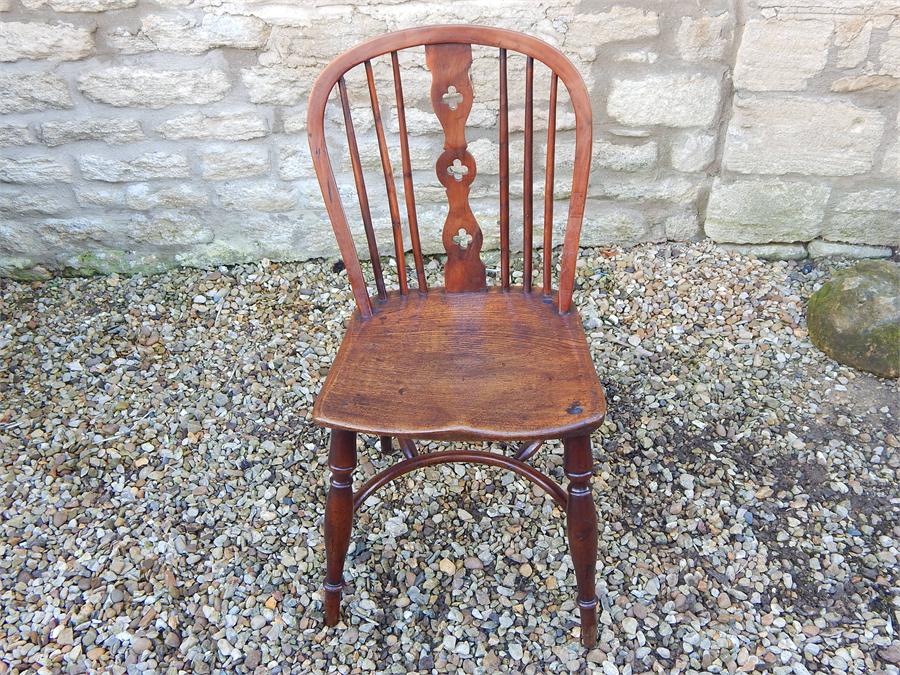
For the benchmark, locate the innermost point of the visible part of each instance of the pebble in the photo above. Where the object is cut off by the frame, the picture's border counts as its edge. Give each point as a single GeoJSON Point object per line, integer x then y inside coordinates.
{"type": "Point", "coordinates": [164, 513]}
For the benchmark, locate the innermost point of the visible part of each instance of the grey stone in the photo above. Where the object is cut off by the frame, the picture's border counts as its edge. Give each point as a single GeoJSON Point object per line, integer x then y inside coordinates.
{"type": "Point", "coordinates": [683, 226]}
{"type": "Point", "coordinates": [277, 86]}
{"type": "Point", "coordinates": [769, 251]}
{"type": "Point", "coordinates": [229, 126]}
{"type": "Point", "coordinates": [671, 100]}
{"type": "Point", "coordinates": [153, 88]}
{"type": "Point", "coordinates": [590, 30]}
{"type": "Point", "coordinates": [792, 134]}
{"type": "Point", "coordinates": [28, 92]}
{"type": "Point", "coordinates": [855, 317]}
{"type": "Point", "coordinates": [80, 5]}
{"type": "Point", "coordinates": [189, 35]}
{"type": "Point", "coordinates": [14, 134]}
{"type": "Point", "coordinates": [110, 130]}
{"type": "Point", "coordinates": [692, 151]}
{"type": "Point", "coordinates": [765, 210]}
{"type": "Point", "coordinates": [40, 40]}
{"type": "Point", "coordinates": [29, 203]}
{"type": "Point", "coordinates": [703, 38]}
{"type": "Point", "coordinates": [234, 162]}
{"type": "Point", "coordinates": [827, 249]}
{"type": "Point", "coordinates": [147, 196]}
{"type": "Point", "coordinates": [143, 167]}
{"type": "Point", "coordinates": [33, 170]}
{"type": "Point", "coordinates": [257, 196]}
{"type": "Point", "coordinates": [865, 217]}
{"type": "Point", "coordinates": [781, 54]}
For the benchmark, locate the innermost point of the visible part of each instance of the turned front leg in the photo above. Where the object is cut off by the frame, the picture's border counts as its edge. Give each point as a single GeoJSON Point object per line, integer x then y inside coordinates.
{"type": "Point", "coordinates": [581, 524]}
{"type": "Point", "coordinates": [338, 518]}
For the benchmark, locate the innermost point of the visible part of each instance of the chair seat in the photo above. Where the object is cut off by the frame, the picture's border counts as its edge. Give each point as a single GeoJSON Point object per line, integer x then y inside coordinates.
{"type": "Point", "coordinates": [494, 365]}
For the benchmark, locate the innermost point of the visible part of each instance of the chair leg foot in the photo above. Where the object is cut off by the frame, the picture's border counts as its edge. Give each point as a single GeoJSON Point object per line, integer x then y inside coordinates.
{"type": "Point", "coordinates": [581, 525]}
{"type": "Point", "coordinates": [338, 519]}
{"type": "Point", "coordinates": [386, 445]}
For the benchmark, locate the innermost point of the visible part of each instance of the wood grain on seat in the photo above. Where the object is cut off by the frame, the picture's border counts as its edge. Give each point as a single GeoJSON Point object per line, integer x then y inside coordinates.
{"type": "Point", "coordinates": [464, 366]}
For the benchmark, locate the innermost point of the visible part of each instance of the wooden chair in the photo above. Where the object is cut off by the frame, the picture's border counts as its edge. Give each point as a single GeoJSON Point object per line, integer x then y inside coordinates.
{"type": "Point", "coordinates": [464, 362]}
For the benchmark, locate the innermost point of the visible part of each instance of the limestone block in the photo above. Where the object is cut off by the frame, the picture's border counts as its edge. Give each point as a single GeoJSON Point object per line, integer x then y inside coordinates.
{"type": "Point", "coordinates": [769, 251]}
{"type": "Point", "coordinates": [28, 92]}
{"type": "Point", "coordinates": [588, 31]}
{"type": "Point", "coordinates": [792, 134]}
{"type": "Point", "coordinates": [278, 86]}
{"type": "Point", "coordinates": [30, 203]}
{"type": "Point", "coordinates": [234, 162]}
{"type": "Point", "coordinates": [683, 226]}
{"type": "Point", "coordinates": [188, 35]}
{"type": "Point", "coordinates": [229, 126]}
{"type": "Point", "coordinates": [830, 249]}
{"type": "Point", "coordinates": [147, 196]}
{"type": "Point", "coordinates": [153, 88]}
{"type": "Point", "coordinates": [704, 38]}
{"type": "Point", "coordinates": [38, 40]}
{"type": "Point", "coordinates": [781, 55]}
{"type": "Point", "coordinates": [80, 5]}
{"type": "Point", "coordinates": [269, 196]}
{"type": "Point", "coordinates": [111, 130]}
{"type": "Point", "coordinates": [852, 36]}
{"type": "Point", "coordinates": [693, 151]}
{"type": "Point", "coordinates": [760, 211]}
{"type": "Point", "coordinates": [865, 217]}
{"type": "Point", "coordinates": [143, 167]}
{"type": "Point", "coordinates": [14, 134]}
{"type": "Point", "coordinates": [33, 170]}
{"type": "Point", "coordinates": [671, 100]}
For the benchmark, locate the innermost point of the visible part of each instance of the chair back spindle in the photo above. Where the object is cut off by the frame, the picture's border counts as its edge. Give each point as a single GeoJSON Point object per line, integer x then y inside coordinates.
{"type": "Point", "coordinates": [449, 58]}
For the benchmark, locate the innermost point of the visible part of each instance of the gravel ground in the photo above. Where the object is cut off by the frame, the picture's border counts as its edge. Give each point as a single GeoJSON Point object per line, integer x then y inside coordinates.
{"type": "Point", "coordinates": [162, 488]}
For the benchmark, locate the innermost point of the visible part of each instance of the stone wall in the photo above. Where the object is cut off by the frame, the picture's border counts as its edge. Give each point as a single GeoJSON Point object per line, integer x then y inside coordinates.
{"type": "Point", "coordinates": [138, 135]}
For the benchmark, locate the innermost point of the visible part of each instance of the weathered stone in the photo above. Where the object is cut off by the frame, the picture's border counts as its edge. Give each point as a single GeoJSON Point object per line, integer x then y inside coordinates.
{"type": "Point", "coordinates": [149, 88]}
{"type": "Point", "coordinates": [294, 161]}
{"type": "Point", "coordinates": [889, 52]}
{"type": "Point", "coordinates": [671, 100]}
{"type": "Point", "coordinates": [683, 226]}
{"type": "Point", "coordinates": [781, 55]}
{"type": "Point", "coordinates": [146, 196]}
{"type": "Point", "coordinates": [144, 167]}
{"type": "Point", "coordinates": [852, 36]}
{"type": "Point", "coordinates": [92, 195]}
{"type": "Point", "coordinates": [278, 86]}
{"type": "Point", "coordinates": [110, 130]}
{"type": "Point", "coordinates": [769, 251]}
{"type": "Point", "coordinates": [693, 151]}
{"type": "Point", "coordinates": [37, 40]}
{"type": "Point", "coordinates": [827, 249]}
{"type": "Point", "coordinates": [172, 228]}
{"type": "Point", "coordinates": [27, 92]}
{"type": "Point", "coordinates": [866, 83]}
{"type": "Point", "coordinates": [703, 38]}
{"type": "Point", "coordinates": [257, 196]}
{"type": "Point", "coordinates": [31, 203]}
{"type": "Point", "coordinates": [33, 170]}
{"type": "Point", "coordinates": [189, 35]}
{"type": "Point", "coordinates": [762, 211]}
{"type": "Point", "coordinates": [14, 134]}
{"type": "Point", "coordinates": [234, 162]}
{"type": "Point", "coordinates": [890, 165]}
{"type": "Point", "coordinates": [617, 224]}
{"type": "Point", "coordinates": [588, 31]}
{"type": "Point", "coordinates": [791, 134]}
{"type": "Point", "coordinates": [80, 5]}
{"type": "Point", "coordinates": [679, 189]}
{"type": "Point", "coordinates": [855, 317]}
{"type": "Point", "coordinates": [237, 126]}
{"type": "Point", "coordinates": [621, 157]}
{"type": "Point", "coordinates": [865, 217]}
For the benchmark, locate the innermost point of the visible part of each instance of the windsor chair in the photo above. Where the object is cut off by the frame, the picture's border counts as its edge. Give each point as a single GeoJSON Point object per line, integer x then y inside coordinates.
{"type": "Point", "coordinates": [463, 362]}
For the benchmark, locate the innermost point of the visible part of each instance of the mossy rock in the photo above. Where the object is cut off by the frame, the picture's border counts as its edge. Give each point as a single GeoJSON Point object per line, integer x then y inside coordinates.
{"type": "Point", "coordinates": [855, 317]}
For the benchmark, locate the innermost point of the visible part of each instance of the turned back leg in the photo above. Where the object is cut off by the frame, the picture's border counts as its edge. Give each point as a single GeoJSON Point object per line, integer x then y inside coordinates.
{"type": "Point", "coordinates": [338, 518]}
{"type": "Point", "coordinates": [581, 524]}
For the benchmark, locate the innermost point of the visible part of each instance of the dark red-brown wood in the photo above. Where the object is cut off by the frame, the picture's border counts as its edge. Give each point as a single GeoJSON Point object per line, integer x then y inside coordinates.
{"type": "Point", "coordinates": [338, 518]}
{"type": "Point", "coordinates": [462, 362]}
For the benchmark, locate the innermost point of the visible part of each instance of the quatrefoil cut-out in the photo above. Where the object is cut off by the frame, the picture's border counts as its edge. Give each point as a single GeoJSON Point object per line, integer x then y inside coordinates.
{"type": "Point", "coordinates": [452, 98]}
{"type": "Point", "coordinates": [457, 170]}
{"type": "Point", "coordinates": [462, 239]}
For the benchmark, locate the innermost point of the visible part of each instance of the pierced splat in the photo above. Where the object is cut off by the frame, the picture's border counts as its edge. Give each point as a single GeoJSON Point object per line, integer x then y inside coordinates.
{"type": "Point", "coordinates": [462, 239]}
{"type": "Point", "coordinates": [457, 169]}
{"type": "Point", "coordinates": [452, 97]}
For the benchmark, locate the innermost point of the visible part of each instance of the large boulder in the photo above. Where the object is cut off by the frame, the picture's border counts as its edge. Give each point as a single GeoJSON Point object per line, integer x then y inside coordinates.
{"type": "Point", "coordinates": [855, 317]}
